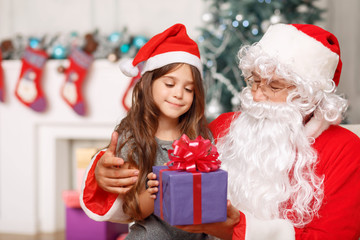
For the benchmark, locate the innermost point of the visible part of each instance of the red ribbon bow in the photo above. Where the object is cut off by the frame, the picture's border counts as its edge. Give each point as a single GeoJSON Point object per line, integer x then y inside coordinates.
{"type": "Point", "coordinates": [192, 155]}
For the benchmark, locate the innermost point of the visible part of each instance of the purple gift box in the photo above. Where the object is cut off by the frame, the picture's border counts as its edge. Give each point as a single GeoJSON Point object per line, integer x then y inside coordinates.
{"type": "Point", "coordinates": [191, 198]}
{"type": "Point", "coordinates": [80, 227]}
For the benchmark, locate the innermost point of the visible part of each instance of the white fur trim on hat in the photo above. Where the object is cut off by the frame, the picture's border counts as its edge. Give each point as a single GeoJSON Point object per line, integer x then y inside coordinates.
{"type": "Point", "coordinates": [163, 59]}
{"type": "Point", "coordinates": [128, 68]}
{"type": "Point", "coordinates": [306, 56]}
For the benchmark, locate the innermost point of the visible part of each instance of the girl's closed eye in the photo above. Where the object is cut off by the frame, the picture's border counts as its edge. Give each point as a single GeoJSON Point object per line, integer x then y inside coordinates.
{"type": "Point", "coordinates": [169, 83]}
{"type": "Point", "coordinates": [189, 89]}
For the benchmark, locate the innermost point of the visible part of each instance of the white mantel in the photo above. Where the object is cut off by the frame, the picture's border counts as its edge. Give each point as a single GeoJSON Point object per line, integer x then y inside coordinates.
{"type": "Point", "coordinates": [33, 168]}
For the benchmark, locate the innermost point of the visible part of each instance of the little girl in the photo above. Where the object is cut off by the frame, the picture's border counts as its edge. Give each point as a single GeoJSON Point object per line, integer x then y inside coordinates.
{"type": "Point", "coordinates": [168, 101]}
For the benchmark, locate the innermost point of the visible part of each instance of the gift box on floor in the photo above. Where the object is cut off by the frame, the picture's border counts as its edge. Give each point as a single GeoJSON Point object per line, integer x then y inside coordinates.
{"type": "Point", "coordinates": [80, 227]}
{"type": "Point", "coordinates": [186, 198]}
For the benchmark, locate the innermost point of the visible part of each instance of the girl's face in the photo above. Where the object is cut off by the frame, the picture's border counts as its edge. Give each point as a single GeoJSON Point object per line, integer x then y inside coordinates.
{"type": "Point", "coordinates": [173, 93]}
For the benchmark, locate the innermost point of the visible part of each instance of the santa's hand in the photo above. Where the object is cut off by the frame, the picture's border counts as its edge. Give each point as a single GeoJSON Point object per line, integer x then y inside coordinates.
{"type": "Point", "coordinates": [152, 185]}
{"type": "Point", "coordinates": [223, 230]}
{"type": "Point", "coordinates": [109, 173]}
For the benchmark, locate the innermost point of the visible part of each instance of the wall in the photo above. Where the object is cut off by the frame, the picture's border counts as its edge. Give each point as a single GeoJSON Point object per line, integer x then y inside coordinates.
{"type": "Point", "coordinates": [343, 20]}
{"type": "Point", "coordinates": [58, 16]}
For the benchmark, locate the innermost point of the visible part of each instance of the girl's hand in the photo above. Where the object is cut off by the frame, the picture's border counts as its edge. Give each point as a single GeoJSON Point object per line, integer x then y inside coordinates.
{"type": "Point", "coordinates": [110, 174]}
{"type": "Point", "coordinates": [152, 185]}
{"type": "Point", "coordinates": [223, 230]}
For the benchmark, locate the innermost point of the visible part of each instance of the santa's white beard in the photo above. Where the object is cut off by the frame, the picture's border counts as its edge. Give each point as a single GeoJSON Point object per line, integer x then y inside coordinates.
{"type": "Point", "coordinates": [270, 162]}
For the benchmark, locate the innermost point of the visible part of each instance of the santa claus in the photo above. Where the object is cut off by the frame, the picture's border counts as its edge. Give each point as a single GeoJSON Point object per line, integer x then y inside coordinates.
{"type": "Point", "coordinates": [293, 172]}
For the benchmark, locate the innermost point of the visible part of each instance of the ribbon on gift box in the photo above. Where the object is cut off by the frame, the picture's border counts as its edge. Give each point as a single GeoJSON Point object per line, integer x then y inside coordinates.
{"type": "Point", "coordinates": [194, 156]}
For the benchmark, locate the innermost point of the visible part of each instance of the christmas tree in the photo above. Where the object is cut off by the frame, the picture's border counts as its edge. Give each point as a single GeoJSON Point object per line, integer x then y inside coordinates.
{"type": "Point", "coordinates": [232, 23]}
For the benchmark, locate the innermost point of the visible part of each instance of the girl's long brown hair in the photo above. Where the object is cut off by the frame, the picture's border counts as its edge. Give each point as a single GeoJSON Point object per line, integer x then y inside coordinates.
{"type": "Point", "coordinates": [140, 125]}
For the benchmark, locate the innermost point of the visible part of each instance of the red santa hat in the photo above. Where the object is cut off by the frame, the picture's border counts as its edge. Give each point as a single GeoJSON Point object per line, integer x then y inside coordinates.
{"type": "Point", "coordinates": [309, 50]}
{"type": "Point", "coordinates": [171, 46]}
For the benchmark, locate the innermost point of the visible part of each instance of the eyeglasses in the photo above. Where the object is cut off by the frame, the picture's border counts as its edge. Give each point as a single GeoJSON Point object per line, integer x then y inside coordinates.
{"type": "Point", "coordinates": [269, 90]}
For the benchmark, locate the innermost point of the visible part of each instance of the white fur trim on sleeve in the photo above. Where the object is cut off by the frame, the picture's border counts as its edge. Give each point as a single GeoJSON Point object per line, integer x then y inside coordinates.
{"type": "Point", "coordinates": [277, 229]}
{"type": "Point", "coordinates": [115, 213]}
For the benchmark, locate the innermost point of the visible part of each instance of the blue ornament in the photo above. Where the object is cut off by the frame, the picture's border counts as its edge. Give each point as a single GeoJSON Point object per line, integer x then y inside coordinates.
{"type": "Point", "coordinates": [114, 37]}
{"type": "Point", "coordinates": [59, 52]}
{"type": "Point", "coordinates": [209, 63]}
{"type": "Point", "coordinates": [245, 23]}
{"type": "Point", "coordinates": [34, 42]}
{"type": "Point", "coordinates": [255, 31]}
{"type": "Point", "coordinates": [201, 39]}
{"type": "Point", "coordinates": [125, 48]}
{"type": "Point", "coordinates": [139, 41]}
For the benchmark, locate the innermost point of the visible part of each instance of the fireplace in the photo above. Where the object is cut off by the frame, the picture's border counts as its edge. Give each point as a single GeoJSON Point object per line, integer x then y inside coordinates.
{"type": "Point", "coordinates": [36, 149]}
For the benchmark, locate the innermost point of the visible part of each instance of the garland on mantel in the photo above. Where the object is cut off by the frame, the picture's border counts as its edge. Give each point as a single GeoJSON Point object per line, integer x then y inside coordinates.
{"type": "Point", "coordinates": [34, 52]}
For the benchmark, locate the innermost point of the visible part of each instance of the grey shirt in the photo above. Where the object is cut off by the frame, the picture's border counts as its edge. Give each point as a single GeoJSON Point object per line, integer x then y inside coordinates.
{"type": "Point", "coordinates": [153, 228]}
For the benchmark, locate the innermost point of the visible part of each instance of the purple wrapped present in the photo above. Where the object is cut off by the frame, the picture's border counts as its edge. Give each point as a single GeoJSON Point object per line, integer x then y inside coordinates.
{"type": "Point", "coordinates": [193, 190]}
{"type": "Point", "coordinates": [191, 198]}
{"type": "Point", "coordinates": [80, 227]}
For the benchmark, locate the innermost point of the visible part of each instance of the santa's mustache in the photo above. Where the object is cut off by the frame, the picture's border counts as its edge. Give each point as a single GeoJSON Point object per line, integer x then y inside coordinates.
{"type": "Point", "coordinates": [268, 110]}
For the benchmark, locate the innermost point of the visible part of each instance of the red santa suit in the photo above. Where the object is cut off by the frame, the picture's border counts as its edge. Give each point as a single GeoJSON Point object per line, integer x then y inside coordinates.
{"type": "Point", "coordinates": [339, 161]}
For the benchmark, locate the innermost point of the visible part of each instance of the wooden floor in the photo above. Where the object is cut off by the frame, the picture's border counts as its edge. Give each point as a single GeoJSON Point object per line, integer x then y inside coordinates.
{"type": "Point", "coordinates": [54, 236]}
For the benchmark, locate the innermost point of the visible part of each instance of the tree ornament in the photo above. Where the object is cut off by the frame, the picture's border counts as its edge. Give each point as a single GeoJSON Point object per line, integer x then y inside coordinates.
{"type": "Point", "coordinates": [7, 49]}
{"type": "Point", "coordinates": [235, 101]}
{"type": "Point", "coordinates": [254, 30]}
{"type": "Point", "coordinates": [214, 109]}
{"type": "Point", "coordinates": [277, 17]}
{"type": "Point", "coordinates": [265, 25]}
{"type": "Point", "coordinates": [59, 52]}
{"type": "Point", "coordinates": [302, 8]}
{"type": "Point", "coordinates": [124, 48]}
{"type": "Point", "coordinates": [139, 41]}
{"type": "Point", "coordinates": [114, 37]}
{"type": "Point", "coordinates": [28, 88]}
{"type": "Point", "coordinates": [208, 17]}
{"type": "Point", "coordinates": [34, 42]}
{"type": "Point", "coordinates": [113, 57]}
{"type": "Point", "coordinates": [239, 17]}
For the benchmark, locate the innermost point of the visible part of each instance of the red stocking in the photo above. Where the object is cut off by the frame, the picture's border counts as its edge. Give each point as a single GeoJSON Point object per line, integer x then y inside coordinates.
{"type": "Point", "coordinates": [75, 76]}
{"type": "Point", "coordinates": [28, 89]}
{"type": "Point", "coordinates": [2, 89]}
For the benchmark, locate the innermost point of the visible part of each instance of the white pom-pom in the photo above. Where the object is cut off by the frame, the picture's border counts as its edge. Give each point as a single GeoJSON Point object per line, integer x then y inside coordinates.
{"type": "Point", "coordinates": [127, 68]}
